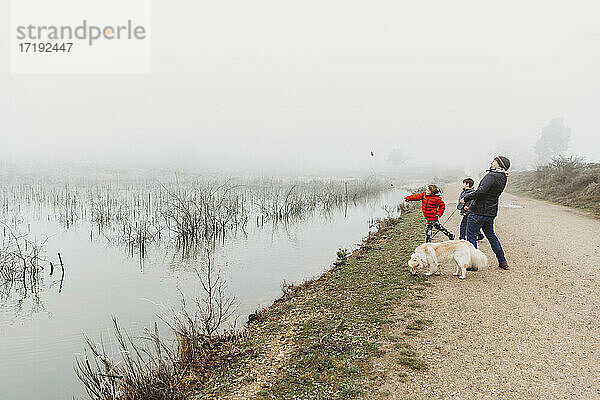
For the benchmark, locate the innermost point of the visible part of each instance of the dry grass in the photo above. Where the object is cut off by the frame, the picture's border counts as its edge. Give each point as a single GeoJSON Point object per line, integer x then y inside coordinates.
{"type": "Point", "coordinates": [152, 367]}
{"type": "Point", "coordinates": [566, 180]}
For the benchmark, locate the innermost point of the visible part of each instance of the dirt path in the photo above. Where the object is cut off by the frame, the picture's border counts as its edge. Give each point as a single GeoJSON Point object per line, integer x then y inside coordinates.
{"type": "Point", "coordinates": [532, 332]}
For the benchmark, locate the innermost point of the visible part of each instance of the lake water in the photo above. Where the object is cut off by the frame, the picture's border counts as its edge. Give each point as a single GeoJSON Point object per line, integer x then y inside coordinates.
{"type": "Point", "coordinates": [41, 335]}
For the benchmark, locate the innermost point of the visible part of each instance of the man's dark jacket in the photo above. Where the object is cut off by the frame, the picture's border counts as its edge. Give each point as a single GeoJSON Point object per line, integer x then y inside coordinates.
{"type": "Point", "coordinates": [486, 196]}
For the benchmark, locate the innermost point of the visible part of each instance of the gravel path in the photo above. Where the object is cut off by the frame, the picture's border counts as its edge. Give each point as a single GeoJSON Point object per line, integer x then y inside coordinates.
{"type": "Point", "coordinates": [532, 332]}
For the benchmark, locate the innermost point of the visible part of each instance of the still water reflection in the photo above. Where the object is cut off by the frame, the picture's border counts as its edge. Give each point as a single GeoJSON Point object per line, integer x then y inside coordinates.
{"type": "Point", "coordinates": [41, 332]}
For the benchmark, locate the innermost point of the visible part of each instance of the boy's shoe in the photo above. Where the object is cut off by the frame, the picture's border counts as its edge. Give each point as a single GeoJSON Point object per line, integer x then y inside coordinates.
{"type": "Point", "coordinates": [472, 269]}
{"type": "Point", "coordinates": [503, 265]}
{"type": "Point", "coordinates": [451, 236]}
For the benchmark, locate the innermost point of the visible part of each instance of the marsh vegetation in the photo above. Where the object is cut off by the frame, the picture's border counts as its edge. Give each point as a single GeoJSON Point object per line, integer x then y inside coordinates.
{"type": "Point", "coordinates": [183, 210]}
{"type": "Point", "coordinates": [166, 366]}
{"type": "Point", "coordinates": [23, 266]}
{"type": "Point", "coordinates": [182, 232]}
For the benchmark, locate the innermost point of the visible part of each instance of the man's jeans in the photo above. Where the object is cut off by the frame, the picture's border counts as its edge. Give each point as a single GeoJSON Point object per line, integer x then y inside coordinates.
{"type": "Point", "coordinates": [477, 222]}
{"type": "Point", "coordinates": [463, 229]}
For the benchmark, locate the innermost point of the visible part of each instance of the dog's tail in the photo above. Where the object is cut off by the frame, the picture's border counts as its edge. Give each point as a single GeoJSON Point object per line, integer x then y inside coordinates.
{"type": "Point", "coordinates": [478, 258]}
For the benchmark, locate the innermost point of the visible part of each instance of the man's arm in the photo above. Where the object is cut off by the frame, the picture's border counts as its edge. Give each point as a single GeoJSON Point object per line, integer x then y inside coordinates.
{"type": "Point", "coordinates": [484, 186]}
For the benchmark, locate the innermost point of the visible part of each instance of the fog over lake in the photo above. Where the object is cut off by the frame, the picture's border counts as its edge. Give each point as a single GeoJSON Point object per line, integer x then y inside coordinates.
{"type": "Point", "coordinates": [267, 136]}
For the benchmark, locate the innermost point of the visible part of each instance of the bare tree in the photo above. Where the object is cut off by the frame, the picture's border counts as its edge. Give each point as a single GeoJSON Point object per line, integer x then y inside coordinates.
{"type": "Point", "coordinates": [553, 141]}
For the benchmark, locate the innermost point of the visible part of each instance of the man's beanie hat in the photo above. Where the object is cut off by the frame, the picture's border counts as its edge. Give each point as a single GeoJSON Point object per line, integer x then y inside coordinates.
{"type": "Point", "coordinates": [503, 162]}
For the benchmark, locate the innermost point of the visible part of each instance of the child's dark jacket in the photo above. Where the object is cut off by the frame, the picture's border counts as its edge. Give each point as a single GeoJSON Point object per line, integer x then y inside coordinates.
{"type": "Point", "coordinates": [467, 205]}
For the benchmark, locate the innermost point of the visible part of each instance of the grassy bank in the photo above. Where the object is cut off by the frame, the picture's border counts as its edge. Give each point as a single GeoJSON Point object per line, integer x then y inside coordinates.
{"type": "Point", "coordinates": [566, 180]}
{"type": "Point", "coordinates": [319, 340]}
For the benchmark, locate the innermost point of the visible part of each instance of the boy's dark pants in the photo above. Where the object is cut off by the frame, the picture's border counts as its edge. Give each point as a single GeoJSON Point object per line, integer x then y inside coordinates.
{"type": "Point", "coordinates": [474, 224]}
{"type": "Point", "coordinates": [463, 229]}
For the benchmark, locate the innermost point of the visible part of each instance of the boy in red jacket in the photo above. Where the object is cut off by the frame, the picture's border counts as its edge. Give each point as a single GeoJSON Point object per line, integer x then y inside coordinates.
{"type": "Point", "coordinates": [433, 208]}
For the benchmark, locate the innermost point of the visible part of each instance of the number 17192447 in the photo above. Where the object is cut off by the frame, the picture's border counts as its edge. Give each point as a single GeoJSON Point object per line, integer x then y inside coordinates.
{"type": "Point", "coordinates": [45, 47]}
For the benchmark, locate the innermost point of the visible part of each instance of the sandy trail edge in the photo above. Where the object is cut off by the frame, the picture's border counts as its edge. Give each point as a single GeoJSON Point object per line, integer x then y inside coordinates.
{"type": "Point", "coordinates": [532, 332]}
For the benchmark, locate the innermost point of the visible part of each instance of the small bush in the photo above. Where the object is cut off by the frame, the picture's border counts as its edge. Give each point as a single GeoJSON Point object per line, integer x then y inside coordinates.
{"type": "Point", "coordinates": [342, 256]}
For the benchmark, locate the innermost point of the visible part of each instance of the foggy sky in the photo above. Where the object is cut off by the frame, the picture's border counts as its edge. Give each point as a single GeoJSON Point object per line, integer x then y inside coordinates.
{"type": "Point", "coordinates": [317, 85]}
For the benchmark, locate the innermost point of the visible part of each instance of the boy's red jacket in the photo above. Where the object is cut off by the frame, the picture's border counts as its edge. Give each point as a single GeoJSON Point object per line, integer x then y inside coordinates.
{"type": "Point", "coordinates": [433, 206]}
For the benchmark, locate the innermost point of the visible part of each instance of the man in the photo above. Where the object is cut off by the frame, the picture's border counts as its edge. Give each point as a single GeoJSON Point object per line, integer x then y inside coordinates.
{"type": "Point", "coordinates": [485, 207]}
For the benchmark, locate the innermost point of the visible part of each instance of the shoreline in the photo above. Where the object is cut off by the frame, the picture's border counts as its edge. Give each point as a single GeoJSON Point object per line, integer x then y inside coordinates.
{"type": "Point", "coordinates": [320, 339]}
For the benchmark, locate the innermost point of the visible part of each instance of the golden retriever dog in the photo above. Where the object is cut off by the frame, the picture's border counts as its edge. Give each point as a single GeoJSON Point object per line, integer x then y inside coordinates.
{"type": "Point", "coordinates": [461, 252]}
